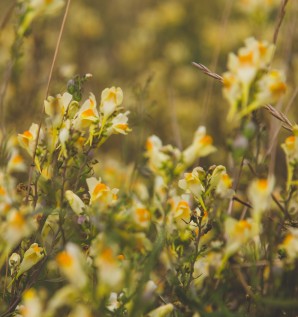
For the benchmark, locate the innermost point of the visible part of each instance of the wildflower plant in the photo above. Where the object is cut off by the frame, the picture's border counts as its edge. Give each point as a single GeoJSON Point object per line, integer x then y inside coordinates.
{"type": "Point", "coordinates": [182, 239]}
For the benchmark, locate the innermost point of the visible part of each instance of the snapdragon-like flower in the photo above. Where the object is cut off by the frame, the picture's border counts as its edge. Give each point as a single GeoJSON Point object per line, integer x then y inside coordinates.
{"type": "Point", "coordinates": [71, 263]}
{"type": "Point", "coordinates": [56, 107]}
{"type": "Point", "coordinates": [271, 87]}
{"type": "Point", "coordinates": [247, 70]}
{"type": "Point", "coordinates": [31, 257]}
{"type": "Point", "coordinates": [100, 192]}
{"type": "Point", "coordinates": [16, 227]}
{"type": "Point", "coordinates": [16, 162]}
{"type": "Point", "coordinates": [75, 202]}
{"type": "Point", "coordinates": [141, 216]}
{"type": "Point", "coordinates": [109, 264]}
{"type": "Point", "coordinates": [119, 124]}
{"type": "Point", "coordinates": [259, 194]}
{"type": "Point", "coordinates": [157, 158]}
{"type": "Point", "coordinates": [192, 182]}
{"type": "Point", "coordinates": [28, 138]}
{"type": "Point", "coordinates": [220, 181]}
{"type": "Point", "coordinates": [201, 146]}
{"type": "Point", "coordinates": [111, 99]}
{"type": "Point", "coordinates": [251, 58]}
{"type": "Point", "coordinates": [290, 244]}
{"type": "Point", "coordinates": [237, 234]}
{"type": "Point", "coordinates": [88, 113]}
{"type": "Point", "coordinates": [32, 304]}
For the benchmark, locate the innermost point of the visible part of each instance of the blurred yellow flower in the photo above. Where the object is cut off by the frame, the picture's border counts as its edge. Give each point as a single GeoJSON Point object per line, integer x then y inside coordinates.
{"type": "Point", "coordinates": [290, 244]}
{"type": "Point", "coordinates": [200, 147]}
{"type": "Point", "coordinates": [71, 263]}
{"type": "Point", "coordinates": [32, 305]}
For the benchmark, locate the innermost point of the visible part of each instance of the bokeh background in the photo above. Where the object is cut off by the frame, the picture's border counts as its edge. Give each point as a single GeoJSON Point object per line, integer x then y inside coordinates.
{"type": "Point", "coordinates": [145, 47]}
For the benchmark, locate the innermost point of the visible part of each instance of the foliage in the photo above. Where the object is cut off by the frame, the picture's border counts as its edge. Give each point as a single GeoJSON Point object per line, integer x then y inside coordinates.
{"type": "Point", "coordinates": [179, 238]}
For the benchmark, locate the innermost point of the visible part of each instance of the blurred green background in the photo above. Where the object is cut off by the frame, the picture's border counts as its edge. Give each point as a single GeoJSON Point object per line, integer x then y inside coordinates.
{"type": "Point", "coordinates": [145, 47]}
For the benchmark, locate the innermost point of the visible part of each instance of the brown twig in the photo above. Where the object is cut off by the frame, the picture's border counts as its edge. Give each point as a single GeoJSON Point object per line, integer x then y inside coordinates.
{"type": "Point", "coordinates": [242, 202]}
{"type": "Point", "coordinates": [281, 117]}
{"type": "Point", "coordinates": [47, 92]}
{"type": "Point", "coordinates": [207, 71]}
{"type": "Point", "coordinates": [280, 18]}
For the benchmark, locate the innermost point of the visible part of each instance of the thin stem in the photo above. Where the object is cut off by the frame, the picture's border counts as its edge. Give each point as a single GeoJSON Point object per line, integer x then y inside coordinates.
{"type": "Point", "coordinates": [47, 92]}
{"type": "Point", "coordinates": [281, 16]}
{"type": "Point", "coordinates": [192, 264]}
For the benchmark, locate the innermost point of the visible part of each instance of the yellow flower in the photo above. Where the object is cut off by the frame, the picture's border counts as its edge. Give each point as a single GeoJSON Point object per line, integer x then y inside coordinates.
{"type": "Point", "coordinates": [290, 244]}
{"type": "Point", "coordinates": [192, 182]}
{"type": "Point", "coordinates": [56, 107]}
{"type": "Point", "coordinates": [271, 86]}
{"type": "Point", "coordinates": [250, 59]}
{"type": "Point", "coordinates": [110, 270]}
{"type": "Point", "coordinates": [100, 192]}
{"type": "Point", "coordinates": [111, 98]}
{"type": "Point", "coordinates": [200, 147]}
{"type": "Point", "coordinates": [237, 234]}
{"type": "Point", "coordinates": [142, 217]}
{"type": "Point", "coordinates": [157, 159]}
{"type": "Point", "coordinates": [119, 124]}
{"type": "Point", "coordinates": [87, 115]}
{"type": "Point", "coordinates": [32, 305]}
{"type": "Point", "coordinates": [31, 257]}
{"type": "Point", "coordinates": [75, 202]}
{"type": "Point", "coordinates": [28, 138]}
{"type": "Point", "coordinates": [16, 227]}
{"type": "Point", "coordinates": [70, 262]}
{"type": "Point", "coordinates": [16, 163]}
{"type": "Point", "coordinates": [259, 194]}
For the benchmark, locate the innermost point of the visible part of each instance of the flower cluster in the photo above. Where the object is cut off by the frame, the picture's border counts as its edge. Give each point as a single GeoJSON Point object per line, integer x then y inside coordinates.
{"type": "Point", "coordinates": [248, 84]}
{"type": "Point", "coordinates": [159, 245]}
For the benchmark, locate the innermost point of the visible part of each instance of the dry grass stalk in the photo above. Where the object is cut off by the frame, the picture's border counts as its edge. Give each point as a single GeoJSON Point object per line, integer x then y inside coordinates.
{"type": "Point", "coordinates": [280, 18]}
{"type": "Point", "coordinates": [281, 117]}
{"type": "Point", "coordinates": [47, 93]}
{"type": "Point", "coordinates": [207, 71]}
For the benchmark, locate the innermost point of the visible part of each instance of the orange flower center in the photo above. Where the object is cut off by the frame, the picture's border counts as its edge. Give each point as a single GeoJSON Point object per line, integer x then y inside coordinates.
{"type": "Point", "coordinates": [64, 259]}
{"type": "Point", "coordinates": [263, 184]}
{"type": "Point", "coordinates": [99, 188]}
{"type": "Point", "coordinates": [122, 126]}
{"type": "Point", "coordinates": [278, 88]}
{"type": "Point", "coordinates": [206, 140]}
{"type": "Point", "coordinates": [246, 58]}
{"type": "Point", "coordinates": [88, 113]}
{"type": "Point", "coordinates": [107, 255]}
{"type": "Point", "coordinates": [18, 220]}
{"type": "Point", "coordinates": [17, 159]}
